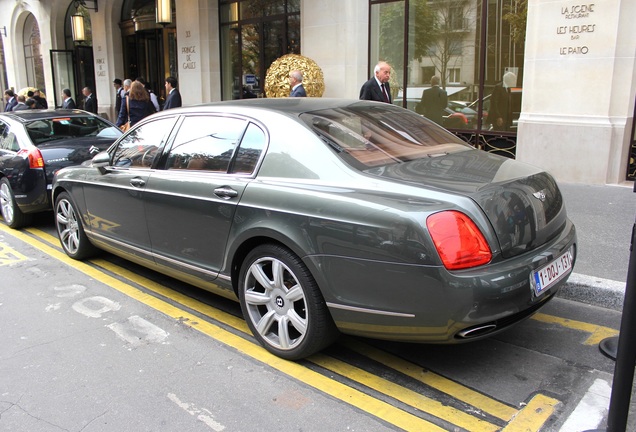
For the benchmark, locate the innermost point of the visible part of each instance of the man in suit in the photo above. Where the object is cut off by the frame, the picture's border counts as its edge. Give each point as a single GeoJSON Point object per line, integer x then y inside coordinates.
{"type": "Point", "coordinates": [119, 93]}
{"type": "Point", "coordinates": [434, 101]}
{"type": "Point", "coordinates": [296, 84]}
{"type": "Point", "coordinates": [90, 101]}
{"type": "Point", "coordinates": [377, 88]}
{"type": "Point", "coordinates": [173, 97]}
{"type": "Point", "coordinates": [68, 102]}
{"type": "Point", "coordinates": [9, 97]}
{"type": "Point", "coordinates": [21, 105]}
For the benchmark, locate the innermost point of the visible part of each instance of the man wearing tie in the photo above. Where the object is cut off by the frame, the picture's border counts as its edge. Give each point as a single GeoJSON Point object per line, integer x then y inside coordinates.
{"type": "Point", "coordinates": [173, 97]}
{"type": "Point", "coordinates": [377, 88]}
{"type": "Point", "coordinates": [68, 102]}
{"type": "Point", "coordinates": [90, 101]}
{"type": "Point", "coordinates": [9, 97]}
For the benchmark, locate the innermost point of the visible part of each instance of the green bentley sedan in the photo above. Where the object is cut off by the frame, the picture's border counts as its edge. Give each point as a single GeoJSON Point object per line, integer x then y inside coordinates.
{"type": "Point", "coordinates": [325, 216]}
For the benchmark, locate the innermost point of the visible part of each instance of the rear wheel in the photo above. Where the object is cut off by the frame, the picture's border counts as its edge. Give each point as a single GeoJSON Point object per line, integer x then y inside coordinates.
{"type": "Point", "coordinates": [70, 230]}
{"type": "Point", "coordinates": [282, 304]}
{"type": "Point", "coordinates": [11, 213]}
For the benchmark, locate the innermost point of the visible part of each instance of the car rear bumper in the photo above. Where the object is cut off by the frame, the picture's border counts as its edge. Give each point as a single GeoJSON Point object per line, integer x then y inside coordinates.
{"type": "Point", "coordinates": [430, 304]}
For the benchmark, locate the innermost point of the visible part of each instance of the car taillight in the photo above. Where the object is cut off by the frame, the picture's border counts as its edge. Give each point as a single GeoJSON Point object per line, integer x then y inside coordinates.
{"type": "Point", "coordinates": [35, 157]}
{"type": "Point", "coordinates": [458, 241]}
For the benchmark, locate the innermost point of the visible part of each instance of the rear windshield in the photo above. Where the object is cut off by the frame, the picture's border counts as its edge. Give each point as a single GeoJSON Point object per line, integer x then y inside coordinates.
{"type": "Point", "coordinates": [42, 131]}
{"type": "Point", "coordinates": [370, 136]}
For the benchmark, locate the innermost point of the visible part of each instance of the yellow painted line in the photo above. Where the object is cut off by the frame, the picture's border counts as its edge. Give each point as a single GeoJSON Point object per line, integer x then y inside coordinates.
{"type": "Point", "coordinates": [431, 379]}
{"type": "Point", "coordinates": [10, 256]}
{"type": "Point", "coordinates": [402, 394]}
{"type": "Point", "coordinates": [533, 416]}
{"type": "Point", "coordinates": [597, 332]}
{"type": "Point", "coordinates": [453, 389]}
{"type": "Point", "coordinates": [356, 398]}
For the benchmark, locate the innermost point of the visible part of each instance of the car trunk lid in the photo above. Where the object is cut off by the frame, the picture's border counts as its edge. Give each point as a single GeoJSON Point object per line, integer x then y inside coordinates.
{"type": "Point", "coordinates": [522, 203]}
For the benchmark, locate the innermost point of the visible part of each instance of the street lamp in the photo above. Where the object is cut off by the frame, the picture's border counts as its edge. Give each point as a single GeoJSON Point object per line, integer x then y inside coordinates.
{"type": "Point", "coordinates": [164, 12]}
{"type": "Point", "coordinates": [77, 25]}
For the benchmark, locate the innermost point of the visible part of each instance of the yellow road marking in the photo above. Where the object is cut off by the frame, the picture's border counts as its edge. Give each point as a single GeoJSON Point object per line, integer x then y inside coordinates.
{"type": "Point", "coordinates": [10, 256]}
{"type": "Point", "coordinates": [597, 332]}
{"type": "Point", "coordinates": [364, 402]}
{"type": "Point", "coordinates": [431, 379]}
{"type": "Point", "coordinates": [533, 416]}
{"type": "Point", "coordinates": [409, 397]}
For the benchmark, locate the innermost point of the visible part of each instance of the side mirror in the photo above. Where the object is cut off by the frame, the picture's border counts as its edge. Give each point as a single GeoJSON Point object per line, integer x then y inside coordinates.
{"type": "Point", "coordinates": [101, 161]}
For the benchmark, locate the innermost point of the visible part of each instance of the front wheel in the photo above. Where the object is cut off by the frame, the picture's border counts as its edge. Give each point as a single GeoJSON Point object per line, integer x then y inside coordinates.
{"type": "Point", "coordinates": [70, 229]}
{"type": "Point", "coordinates": [11, 213]}
{"type": "Point", "coordinates": [282, 304]}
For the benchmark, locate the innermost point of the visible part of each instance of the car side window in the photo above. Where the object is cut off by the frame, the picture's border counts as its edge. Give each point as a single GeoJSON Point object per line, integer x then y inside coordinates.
{"type": "Point", "coordinates": [140, 146]}
{"type": "Point", "coordinates": [206, 143]}
{"type": "Point", "coordinates": [8, 140]}
{"type": "Point", "coordinates": [249, 151]}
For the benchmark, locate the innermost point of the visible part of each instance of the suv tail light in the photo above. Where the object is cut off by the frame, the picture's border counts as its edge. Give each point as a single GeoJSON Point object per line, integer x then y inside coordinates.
{"type": "Point", "coordinates": [35, 157]}
{"type": "Point", "coordinates": [459, 243]}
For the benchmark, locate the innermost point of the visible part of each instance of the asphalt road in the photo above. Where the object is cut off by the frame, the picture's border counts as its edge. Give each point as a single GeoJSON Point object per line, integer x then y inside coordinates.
{"type": "Point", "coordinates": [106, 345]}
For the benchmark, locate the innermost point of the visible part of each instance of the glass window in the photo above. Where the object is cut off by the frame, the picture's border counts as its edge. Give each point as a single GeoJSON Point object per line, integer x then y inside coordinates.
{"type": "Point", "coordinates": [45, 130]}
{"type": "Point", "coordinates": [8, 141]}
{"type": "Point", "coordinates": [443, 38]}
{"type": "Point", "coordinates": [252, 145]}
{"type": "Point", "coordinates": [368, 137]}
{"type": "Point", "coordinates": [206, 143]}
{"type": "Point", "coordinates": [254, 33]}
{"type": "Point", "coordinates": [140, 145]}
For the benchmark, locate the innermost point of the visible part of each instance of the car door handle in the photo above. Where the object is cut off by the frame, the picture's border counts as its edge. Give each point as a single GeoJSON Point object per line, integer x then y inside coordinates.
{"type": "Point", "coordinates": [137, 182]}
{"type": "Point", "coordinates": [225, 192]}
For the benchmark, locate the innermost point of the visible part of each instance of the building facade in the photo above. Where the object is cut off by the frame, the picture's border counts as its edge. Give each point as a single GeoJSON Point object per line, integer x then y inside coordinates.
{"type": "Point", "coordinates": [567, 79]}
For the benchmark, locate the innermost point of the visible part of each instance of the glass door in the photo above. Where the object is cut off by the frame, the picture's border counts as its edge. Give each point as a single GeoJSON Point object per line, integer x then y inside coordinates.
{"type": "Point", "coordinates": [62, 63]}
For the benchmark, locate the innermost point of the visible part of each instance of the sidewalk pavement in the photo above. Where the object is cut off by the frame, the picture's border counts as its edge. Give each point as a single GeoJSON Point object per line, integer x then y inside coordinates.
{"type": "Point", "coordinates": [604, 217]}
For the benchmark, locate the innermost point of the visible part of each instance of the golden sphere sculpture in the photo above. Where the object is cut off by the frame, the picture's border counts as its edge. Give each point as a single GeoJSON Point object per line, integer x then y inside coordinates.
{"type": "Point", "coordinates": [277, 77]}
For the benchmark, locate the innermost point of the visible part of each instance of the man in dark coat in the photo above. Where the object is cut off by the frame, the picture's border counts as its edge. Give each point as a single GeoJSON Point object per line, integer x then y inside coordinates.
{"type": "Point", "coordinates": [68, 102]}
{"type": "Point", "coordinates": [173, 97]}
{"type": "Point", "coordinates": [377, 88]}
{"type": "Point", "coordinates": [10, 99]}
{"type": "Point", "coordinates": [434, 101]}
{"type": "Point", "coordinates": [90, 101]}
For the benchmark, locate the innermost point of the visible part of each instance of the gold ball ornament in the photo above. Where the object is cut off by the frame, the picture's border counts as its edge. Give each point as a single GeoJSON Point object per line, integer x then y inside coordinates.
{"type": "Point", "coordinates": [24, 91]}
{"type": "Point", "coordinates": [277, 77]}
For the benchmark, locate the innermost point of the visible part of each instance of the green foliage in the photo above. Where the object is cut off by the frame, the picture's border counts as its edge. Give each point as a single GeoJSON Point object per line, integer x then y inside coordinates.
{"type": "Point", "coordinates": [516, 15]}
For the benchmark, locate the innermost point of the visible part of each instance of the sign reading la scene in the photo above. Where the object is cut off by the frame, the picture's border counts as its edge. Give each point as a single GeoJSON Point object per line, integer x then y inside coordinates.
{"type": "Point", "coordinates": [576, 34]}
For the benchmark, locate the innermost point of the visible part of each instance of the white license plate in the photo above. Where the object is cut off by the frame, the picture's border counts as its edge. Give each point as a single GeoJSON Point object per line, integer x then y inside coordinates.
{"type": "Point", "coordinates": [551, 273]}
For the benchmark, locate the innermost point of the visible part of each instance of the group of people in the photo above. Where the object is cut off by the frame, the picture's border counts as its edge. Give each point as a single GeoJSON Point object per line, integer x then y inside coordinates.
{"type": "Point", "coordinates": [435, 99]}
{"type": "Point", "coordinates": [135, 100]}
{"type": "Point", "coordinates": [32, 100]}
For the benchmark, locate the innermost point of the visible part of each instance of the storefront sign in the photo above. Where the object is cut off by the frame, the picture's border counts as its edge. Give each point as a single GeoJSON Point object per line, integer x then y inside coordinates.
{"type": "Point", "coordinates": [577, 29]}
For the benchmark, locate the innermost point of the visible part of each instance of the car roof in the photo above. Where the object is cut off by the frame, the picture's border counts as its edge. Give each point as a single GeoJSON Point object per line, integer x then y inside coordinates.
{"type": "Point", "coordinates": [24, 116]}
{"type": "Point", "coordinates": [289, 106]}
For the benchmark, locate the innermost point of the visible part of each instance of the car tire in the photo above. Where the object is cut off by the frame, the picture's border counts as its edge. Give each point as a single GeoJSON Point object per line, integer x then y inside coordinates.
{"type": "Point", "coordinates": [11, 213]}
{"type": "Point", "coordinates": [70, 230]}
{"type": "Point", "coordinates": [282, 304]}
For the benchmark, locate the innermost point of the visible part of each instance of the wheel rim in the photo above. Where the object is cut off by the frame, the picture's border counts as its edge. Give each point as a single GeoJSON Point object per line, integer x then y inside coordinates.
{"type": "Point", "coordinates": [6, 203]}
{"type": "Point", "coordinates": [276, 303]}
{"type": "Point", "coordinates": [67, 226]}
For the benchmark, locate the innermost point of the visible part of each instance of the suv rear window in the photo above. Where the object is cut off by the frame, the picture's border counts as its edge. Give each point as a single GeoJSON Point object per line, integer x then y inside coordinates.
{"type": "Point", "coordinates": [45, 130]}
{"type": "Point", "coordinates": [370, 136]}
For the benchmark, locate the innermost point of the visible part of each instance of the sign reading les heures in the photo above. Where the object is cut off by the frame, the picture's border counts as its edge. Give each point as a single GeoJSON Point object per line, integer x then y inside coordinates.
{"type": "Point", "coordinates": [578, 25]}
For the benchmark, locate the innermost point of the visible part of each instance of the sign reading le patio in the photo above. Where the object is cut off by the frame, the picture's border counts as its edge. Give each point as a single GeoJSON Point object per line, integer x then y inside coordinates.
{"type": "Point", "coordinates": [578, 32]}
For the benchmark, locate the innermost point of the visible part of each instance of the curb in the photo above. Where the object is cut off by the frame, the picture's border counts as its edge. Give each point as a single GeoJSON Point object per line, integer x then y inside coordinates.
{"type": "Point", "coordinates": [594, 291]}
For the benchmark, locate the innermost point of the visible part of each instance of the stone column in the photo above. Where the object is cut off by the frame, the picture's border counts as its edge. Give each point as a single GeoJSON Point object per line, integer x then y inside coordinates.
{"type": "Point", "coordinates": [578, 89]}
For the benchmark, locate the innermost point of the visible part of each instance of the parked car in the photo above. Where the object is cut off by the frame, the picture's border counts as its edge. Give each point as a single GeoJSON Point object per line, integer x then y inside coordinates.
{"type": "Point", "coordinates": [452, 119]}
{"type": "Point", "coordinates": [323, 216]}
{"type": "Point", "coordinates": [34, 144]}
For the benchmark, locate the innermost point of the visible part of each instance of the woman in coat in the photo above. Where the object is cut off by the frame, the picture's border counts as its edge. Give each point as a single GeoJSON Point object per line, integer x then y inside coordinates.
{"type": "Point", "coordinates": [135, 106]}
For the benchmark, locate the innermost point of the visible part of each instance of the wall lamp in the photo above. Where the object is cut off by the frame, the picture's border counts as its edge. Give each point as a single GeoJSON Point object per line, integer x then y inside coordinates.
{"type": "Point", "coordinates": [164, 12]}
{"type": "Point", "coordinates": [77, 20]}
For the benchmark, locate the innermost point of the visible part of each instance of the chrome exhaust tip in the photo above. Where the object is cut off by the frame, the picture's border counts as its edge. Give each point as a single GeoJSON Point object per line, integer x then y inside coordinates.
{"type": "Point", "coordinates": [476, 331]}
